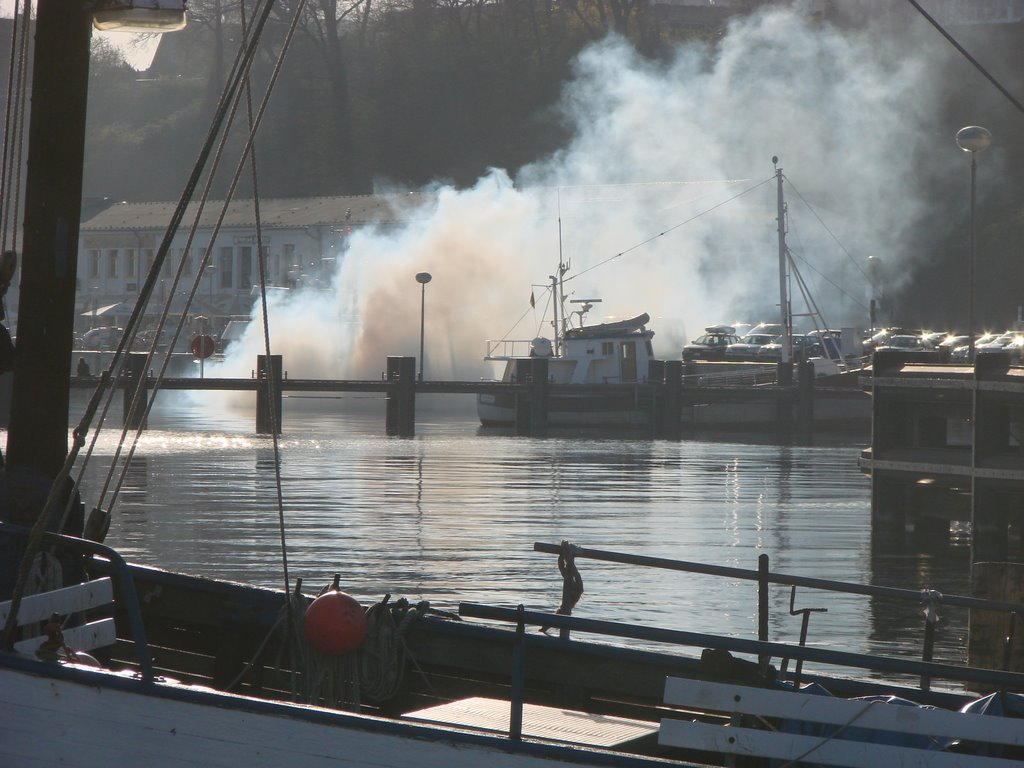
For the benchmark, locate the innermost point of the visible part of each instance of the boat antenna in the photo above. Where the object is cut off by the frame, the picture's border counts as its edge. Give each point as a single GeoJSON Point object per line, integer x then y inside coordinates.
{"type": "Point", "coordinates": [556, 283]}
{"type": "Point", "coordinates": [784, 310]}
{"type": "Point", "coordinates": [588, 304]}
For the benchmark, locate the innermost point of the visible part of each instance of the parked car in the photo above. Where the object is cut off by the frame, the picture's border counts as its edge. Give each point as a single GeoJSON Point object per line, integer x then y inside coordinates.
{"type": "Point", "coordinates": [102, 338]}
{"type": "Point", "coordinates": [747, 347]}
{"type": "Point", "coordinates": [959, 354]}
{"type": "Point", "coordinates": [712, 344]}
{"type": "Point", "coordinates": [1009, 342]}
{"type": "Point", "coordinates": [804, 346]}
{"type": "Point", "coordinates": [881, 337]}
{"type": "Point", "coordinates": [903, 341]}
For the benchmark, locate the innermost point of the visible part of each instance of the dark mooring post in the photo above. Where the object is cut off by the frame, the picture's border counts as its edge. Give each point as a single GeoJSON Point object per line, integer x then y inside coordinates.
{"type": "Point", "coordinates": [805, 400]}
{"type": "Point", "coordinates": [656, 381]}
{"type": "Point", "coordinates": [672, 410]}
{"type": "Point", "coordinates": [538, 395]}
{"type": "Point", "coordinates": [134, 373]}
{"type": "Point", "coordinates": [522, 398]}
{"type": "Point", "coordinates": [400, 416]}
{"type": "Point", "coordinates": [267, 420]}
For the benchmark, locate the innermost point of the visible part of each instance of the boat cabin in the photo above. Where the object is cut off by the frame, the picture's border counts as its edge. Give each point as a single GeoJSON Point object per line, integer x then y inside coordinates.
{"type": "Point", "coordinates": [607, 353]}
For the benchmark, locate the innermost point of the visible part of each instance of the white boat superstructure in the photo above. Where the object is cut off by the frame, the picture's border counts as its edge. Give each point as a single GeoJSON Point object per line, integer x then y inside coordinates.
{"type": "Point", "coordinates": [617, 352]}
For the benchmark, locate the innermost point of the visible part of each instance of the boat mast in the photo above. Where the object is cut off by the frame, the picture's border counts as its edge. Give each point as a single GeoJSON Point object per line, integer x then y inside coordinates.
{"type": "Point", "coordinates": [38, 433]}
{"type": "Point", "coordinates": [784, 308]}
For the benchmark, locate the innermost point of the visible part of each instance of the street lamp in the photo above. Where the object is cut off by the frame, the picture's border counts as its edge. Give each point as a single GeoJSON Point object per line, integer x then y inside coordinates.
{"type": "Point", "coordinates": [422, 278]}
{"type": "Point", "coordinates": [972, 139]}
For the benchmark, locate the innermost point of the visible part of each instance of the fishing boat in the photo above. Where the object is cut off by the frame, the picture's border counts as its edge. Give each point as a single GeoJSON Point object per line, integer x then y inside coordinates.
{"type": "Point", "coordinates": [106, 662]}
{"type": "Point", "coordinates": [612, 358]}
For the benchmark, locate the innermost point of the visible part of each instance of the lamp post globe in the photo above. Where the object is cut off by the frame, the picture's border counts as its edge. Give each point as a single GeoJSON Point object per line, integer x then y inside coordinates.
{"type": "Point", "coordinates": [972, 139]}
{"type": "Point", "coordinates": [422, 278]}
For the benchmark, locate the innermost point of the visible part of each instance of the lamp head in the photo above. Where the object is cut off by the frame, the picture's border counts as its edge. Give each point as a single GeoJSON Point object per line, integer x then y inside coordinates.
{"type": "Point", "coordinates": [423, 278]}
{"type": "Point", "coordinates": [973, 138]}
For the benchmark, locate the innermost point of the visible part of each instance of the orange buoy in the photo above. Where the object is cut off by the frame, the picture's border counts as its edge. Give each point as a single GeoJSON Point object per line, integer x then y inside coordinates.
{"type": "Point", "coordinates": [335, 623]}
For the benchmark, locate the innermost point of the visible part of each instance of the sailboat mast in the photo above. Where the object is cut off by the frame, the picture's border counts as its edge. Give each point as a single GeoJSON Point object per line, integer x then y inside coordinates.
{"type": "Point", "coordinates": [784, 310]}
{"type": "Point", "coordinates": [38, 435]}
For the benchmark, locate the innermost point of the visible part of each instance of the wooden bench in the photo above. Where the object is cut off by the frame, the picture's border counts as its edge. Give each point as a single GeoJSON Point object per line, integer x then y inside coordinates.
{"type": "Point", "coordinates": [63, 602]}
{"type": "Point", "coordinates": [839, 749]}
{"type": "Point", "coordinates": [568, 725]}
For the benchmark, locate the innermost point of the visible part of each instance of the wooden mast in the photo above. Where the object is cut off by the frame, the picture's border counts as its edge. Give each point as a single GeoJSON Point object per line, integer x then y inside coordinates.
{"type": "Point", "coordinates": [38, 433]}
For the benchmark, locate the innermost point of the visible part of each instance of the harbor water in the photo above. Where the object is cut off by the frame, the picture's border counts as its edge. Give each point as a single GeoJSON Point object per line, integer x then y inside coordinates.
{"type": "Point", "coordinates": [452, 514]}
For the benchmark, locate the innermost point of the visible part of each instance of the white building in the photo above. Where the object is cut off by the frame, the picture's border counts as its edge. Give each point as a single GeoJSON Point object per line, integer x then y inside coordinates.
{"type": "Point", "coordinates": [302, 238]}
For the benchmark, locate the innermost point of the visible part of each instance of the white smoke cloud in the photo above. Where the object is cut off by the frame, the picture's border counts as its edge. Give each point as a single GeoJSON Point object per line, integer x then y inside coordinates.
{"type": "Point", "coordinates": [842, 110]}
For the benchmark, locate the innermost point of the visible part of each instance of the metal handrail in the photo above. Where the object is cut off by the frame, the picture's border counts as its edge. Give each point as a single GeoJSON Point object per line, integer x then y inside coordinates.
{"type": "Point", "coordinates": [997, 678]}
{"type": "Point", "coordinates": [120, 566]}
{"type": "Point", "coordinates": [898, 593]}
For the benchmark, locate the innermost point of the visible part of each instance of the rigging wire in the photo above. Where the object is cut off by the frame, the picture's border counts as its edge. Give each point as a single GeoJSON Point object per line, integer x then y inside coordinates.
{"type": "Point", "coordinates": [243, 58]}
{"type": "Point", "coordinates": [21, 112]}
{"type": "Point", "coordinates": [963, 52]}
{"type": "Point", "coordinates": [652, 238]}
{"type": "Point", "coordinates": [14, 122]}
{"type": "Point", "coordinates": [216, 230]}
{"type": "Point", "coordinates": [826, 228]}
{"type": "Point", "coordinates": [270, 378]}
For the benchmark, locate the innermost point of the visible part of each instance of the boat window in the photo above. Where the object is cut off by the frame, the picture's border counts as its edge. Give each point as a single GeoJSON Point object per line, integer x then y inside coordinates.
{"type": "Point", "coordinates": [607, 347]}
{"type": "Point", "coordinates": [628, 356]}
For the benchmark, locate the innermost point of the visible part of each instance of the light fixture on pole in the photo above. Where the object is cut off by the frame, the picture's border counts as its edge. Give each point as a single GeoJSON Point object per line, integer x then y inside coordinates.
{"type": "Point", "coordinates": [422, 278]}
{"type": "Point", "coordinates": [972, 139]}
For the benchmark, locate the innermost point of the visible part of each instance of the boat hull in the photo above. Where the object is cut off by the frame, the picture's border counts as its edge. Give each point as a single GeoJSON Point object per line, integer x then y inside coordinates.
{"type": "Point", "coordinates": [619, 410]}
{"type": "Point", "coordinates": [93, 719]}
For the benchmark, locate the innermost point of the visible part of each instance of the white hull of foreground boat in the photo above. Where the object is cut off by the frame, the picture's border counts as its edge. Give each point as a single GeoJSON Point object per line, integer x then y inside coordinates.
{"type": "Point", "coordinates": [94, 719]}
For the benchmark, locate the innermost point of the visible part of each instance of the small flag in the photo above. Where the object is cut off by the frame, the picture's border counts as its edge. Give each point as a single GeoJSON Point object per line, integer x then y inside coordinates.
{"type": "Point", "coordinates": [533, 302]}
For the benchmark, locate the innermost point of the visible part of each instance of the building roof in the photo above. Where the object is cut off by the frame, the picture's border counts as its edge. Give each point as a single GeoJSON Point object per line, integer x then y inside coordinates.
{"type": "Point", "coordinates": [353, 210]}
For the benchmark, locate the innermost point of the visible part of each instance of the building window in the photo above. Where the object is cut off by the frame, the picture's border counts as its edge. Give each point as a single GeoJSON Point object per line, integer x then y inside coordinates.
{"type": "Point", "coordinates": [226, 266]}
{"type": "Point", "coordinates": [245, 267]}
{"type": "Point", "coordinates": [607, 347]}
{"type": "Point", "coordinates": [94, 263]}
{"type": "Point", "coordinates": [148, 257]}
{"type": "Point", "coordinates": [130, 263]}
{"type": "Point", "coordinates": [112, 262]}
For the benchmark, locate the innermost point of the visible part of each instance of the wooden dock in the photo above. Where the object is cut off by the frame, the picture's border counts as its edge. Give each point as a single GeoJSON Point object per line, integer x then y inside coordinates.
{"type": "Point", "coordinates": [671, 400]}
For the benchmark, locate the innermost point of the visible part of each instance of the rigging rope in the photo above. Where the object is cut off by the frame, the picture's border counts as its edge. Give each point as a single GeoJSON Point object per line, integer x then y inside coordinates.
{"type": "Point", "coordinates": [673, 228]}
{"type": "Point", "coordinates": [963, 52]}
{"type": "Point", "coordinates": [227, 103]}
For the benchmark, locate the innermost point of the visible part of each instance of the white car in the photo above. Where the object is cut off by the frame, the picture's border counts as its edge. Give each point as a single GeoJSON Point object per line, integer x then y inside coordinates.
{"type": "Point", "coordinates": [102, 338]}
{"type": "Point", "coordinates": [749, 346]}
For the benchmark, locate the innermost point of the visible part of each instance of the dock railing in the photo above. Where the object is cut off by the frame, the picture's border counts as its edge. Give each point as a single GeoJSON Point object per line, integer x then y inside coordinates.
{"type": "Point", "coordinates": [925, 670]}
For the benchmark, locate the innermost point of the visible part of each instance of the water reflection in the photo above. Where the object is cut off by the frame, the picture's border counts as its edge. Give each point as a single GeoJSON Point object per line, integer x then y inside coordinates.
{"type": "Point", "coordinates": [452, 515]}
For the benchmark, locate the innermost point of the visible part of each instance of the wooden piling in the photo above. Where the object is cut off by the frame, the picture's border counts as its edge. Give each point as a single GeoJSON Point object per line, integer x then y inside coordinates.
{"type": "Point", "coordinates": [996, 638]}
{"type": "Point", "coordinates": [672, 409]}
{"type": "Point", "coordinates": [538, 395]}
{"type": "Point", "coordinates": [134, 373]}
{"type": "Point", "coordinates": [805, 400]}
{"type": "Point", "coordinates": [267, 421]}
{"type": "Point", "coordinates": [400, 417]}
{"type": "Point", "coordinates": [522, 398]}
